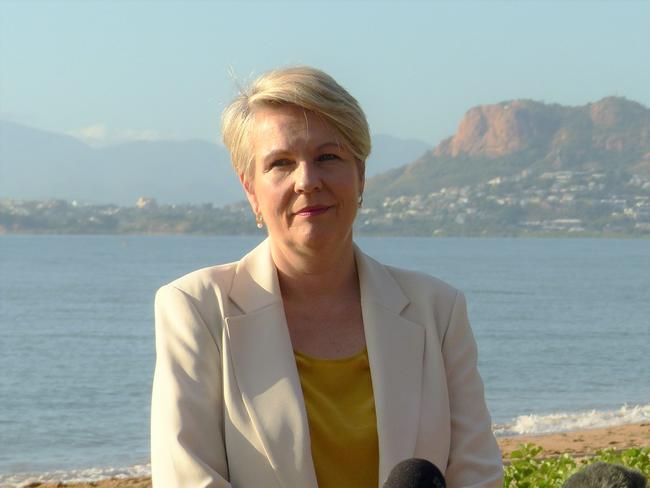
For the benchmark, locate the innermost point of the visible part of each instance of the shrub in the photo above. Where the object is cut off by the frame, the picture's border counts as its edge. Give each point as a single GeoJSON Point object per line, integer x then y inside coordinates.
{"type": "Point", "coordinates": [528, 470]}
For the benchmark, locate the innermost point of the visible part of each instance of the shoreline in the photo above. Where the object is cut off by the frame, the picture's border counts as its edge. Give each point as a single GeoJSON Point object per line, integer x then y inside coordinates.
{"type": "Point", "coordinates": [578, 444]}
{"type": "Point", "coordinates": [582, 443]}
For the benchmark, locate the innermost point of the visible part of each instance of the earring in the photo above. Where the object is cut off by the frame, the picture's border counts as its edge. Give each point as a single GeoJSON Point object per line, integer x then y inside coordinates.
{"type": "Point", "coordinates": [259, 220]}
{"type": "Point", "coordinates": [360, 201]}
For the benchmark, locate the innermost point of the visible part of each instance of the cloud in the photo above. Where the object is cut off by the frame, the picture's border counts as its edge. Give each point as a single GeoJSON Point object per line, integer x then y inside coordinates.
{"type": "Point", "coordinates": [98, 135]}
{"type": "Point", "coordinates": [95, 134]}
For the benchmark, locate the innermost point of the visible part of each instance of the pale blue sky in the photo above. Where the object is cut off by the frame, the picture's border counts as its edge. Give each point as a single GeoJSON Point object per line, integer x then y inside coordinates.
{"type": "Point", "coordinates": [122, 70]}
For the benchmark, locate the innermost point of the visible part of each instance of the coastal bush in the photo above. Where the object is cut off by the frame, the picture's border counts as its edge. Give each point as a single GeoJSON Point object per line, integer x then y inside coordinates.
{"type": "Point", "coordinates": [528, 470]}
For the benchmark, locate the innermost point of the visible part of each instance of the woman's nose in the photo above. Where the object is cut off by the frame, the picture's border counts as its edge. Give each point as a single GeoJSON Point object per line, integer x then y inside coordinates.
{"type": "Point", "coordinates": [308, 178]}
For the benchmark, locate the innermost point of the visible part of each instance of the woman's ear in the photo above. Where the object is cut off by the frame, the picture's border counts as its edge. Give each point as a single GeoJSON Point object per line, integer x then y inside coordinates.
{"type": "Point", "coordinates": [249, 189]}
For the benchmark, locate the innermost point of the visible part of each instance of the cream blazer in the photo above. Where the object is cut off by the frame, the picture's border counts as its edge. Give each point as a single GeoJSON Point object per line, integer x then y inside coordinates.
{"type": "Point", "coordinates": [227, 407]}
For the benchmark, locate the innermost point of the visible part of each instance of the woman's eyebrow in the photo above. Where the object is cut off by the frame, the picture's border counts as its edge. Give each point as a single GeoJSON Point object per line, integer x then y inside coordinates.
{"type": "Point", "coordinates": [275, 153]}
{"type": "Point", "coordinates": [283, 152]}
{"type": "Point", "coordinates": [329, 143]}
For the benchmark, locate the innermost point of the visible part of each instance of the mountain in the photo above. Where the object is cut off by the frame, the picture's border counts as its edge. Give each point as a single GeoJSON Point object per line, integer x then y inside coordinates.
{"type": "Point", "coordinates": [503, 139]}
{"type": "Point", "coordinates": [391, 152]}
{"type": "Point", "coordinates": [36, 164]}
{"type": "Point", "coordinates": [612, 134]}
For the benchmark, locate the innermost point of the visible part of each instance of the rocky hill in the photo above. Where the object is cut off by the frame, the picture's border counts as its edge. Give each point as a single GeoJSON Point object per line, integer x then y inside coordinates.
{"type": "Point", "coordinates": [611, 135]}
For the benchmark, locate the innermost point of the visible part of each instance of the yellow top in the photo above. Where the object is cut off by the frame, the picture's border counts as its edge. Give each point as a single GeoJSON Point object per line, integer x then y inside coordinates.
{"type": "Point", "coordinates": [342, 421]}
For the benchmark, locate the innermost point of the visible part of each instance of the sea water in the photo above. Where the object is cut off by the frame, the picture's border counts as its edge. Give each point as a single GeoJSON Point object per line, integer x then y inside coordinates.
{"type": "Point", "coordinates": [563, 328]}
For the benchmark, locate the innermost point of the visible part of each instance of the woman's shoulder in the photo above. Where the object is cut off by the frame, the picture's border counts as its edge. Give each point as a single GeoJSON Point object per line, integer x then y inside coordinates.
{"type": "Point", "coordinates": [415, 283]}
{"type": "Point", "coordinates": [431, 300]}
{"type": "Point", "coordinates": [204, 280]}
{"type": "Point", "coordinates": [424, 293]}
{"type": "Point", "coordinates": [417, 280]}
{"type": "Point", "coordinates": [424, 290]}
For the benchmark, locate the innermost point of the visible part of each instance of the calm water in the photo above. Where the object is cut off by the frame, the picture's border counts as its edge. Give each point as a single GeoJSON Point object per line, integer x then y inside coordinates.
{"type": "Point", "coordinates": [563, 326]}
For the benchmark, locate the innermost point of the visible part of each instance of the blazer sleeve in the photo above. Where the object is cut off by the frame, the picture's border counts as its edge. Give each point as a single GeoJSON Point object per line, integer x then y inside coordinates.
{"type": "Point", "coordinates": [187, 438]}
{"type": "Point", "coordinates": [474, 457]}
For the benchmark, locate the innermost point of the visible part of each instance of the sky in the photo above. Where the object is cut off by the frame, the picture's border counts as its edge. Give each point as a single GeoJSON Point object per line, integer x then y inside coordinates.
{"type": "Point", "coordinates": [111, 71]}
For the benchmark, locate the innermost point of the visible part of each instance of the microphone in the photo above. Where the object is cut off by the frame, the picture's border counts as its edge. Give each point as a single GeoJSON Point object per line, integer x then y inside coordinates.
{"type": "Point", "coordinates": [605, 474]}
{"type": "Point", "coordinates": [415, 473]}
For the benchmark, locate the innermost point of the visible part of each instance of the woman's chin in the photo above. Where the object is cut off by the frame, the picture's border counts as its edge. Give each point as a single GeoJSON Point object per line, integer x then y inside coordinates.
{"type": "Point", "coordinates": [320, 239]}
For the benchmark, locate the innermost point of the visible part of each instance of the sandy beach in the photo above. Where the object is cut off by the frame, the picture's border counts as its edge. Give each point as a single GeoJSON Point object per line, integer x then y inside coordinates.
{"type": "Point", "coordinates": [583, 443]}
{"type": "Point", "coordinates": [579, 444]}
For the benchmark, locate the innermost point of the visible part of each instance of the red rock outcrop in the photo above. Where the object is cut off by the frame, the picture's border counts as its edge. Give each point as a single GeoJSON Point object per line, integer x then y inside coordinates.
{"type": "Point", "coordinates": [613, 124]}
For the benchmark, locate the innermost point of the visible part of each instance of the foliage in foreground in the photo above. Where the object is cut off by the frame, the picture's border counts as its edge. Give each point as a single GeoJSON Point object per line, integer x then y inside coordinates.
{"type": "Point", "coordinates": [528, 470]}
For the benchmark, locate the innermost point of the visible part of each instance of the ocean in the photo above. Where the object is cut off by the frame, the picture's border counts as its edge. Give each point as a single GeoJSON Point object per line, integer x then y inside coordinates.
{"type": "Point", "coordinates": [563, 328]}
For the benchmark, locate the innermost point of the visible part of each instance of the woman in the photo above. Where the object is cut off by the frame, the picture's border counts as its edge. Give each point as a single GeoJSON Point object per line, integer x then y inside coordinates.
{"type": "Point", "coordinates": [307, 363]}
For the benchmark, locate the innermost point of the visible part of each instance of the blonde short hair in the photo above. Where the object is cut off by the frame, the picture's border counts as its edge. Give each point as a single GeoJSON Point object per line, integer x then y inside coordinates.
{"type": "Point", "coordinates": [302, 86]}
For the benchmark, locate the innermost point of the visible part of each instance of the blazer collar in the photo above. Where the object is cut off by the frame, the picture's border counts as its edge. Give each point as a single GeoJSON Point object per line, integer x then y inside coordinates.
{"type": "Point", "coordinates": [267, 376]}
{"type": "Point", "coordinates": [256, 285]}
{"type": "Point", "coordinates": [377, 285]}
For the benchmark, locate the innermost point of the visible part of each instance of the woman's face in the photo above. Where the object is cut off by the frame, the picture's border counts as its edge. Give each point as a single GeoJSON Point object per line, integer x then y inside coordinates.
{"type": "Point", "coordinates": [305, 183]}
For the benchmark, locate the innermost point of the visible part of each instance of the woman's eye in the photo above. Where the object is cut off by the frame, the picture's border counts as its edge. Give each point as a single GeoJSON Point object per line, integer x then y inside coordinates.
{"type": "Point", "coordinates": [279, 163]}
{"type": "Point", "coordinates": [327, 157]}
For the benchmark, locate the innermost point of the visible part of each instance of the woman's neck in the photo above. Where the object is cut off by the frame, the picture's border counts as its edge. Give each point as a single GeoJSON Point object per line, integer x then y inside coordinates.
{"type": "Point", "coordinates": [317, 275]}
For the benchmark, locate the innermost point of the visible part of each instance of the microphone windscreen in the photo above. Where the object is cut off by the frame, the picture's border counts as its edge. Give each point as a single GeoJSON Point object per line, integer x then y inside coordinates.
{"type": "Point", "coordinates": [415, 473]}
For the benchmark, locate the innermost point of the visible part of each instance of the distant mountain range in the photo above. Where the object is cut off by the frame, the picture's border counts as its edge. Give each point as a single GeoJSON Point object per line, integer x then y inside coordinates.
{"type": "Point", "coordinates": [520, 168]}
{"type": "Point", "coordinates": [505, 139]}
{"type": "Point", "coordinates": [36, 164]}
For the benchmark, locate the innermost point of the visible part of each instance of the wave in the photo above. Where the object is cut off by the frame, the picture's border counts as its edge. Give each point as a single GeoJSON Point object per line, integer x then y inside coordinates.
{"type": "Point", "coordinates": [569, 421]}
{"type": "Point", "coordinates": [74, 476]}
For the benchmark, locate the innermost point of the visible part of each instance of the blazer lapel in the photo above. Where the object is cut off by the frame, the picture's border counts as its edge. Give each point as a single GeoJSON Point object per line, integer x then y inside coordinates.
{"type": "Point", "coordinates": [266, 372]}
{"type": "Point", "coordinates": [396, 354]}
{"type": "Point", "coordinates": [265, 369]}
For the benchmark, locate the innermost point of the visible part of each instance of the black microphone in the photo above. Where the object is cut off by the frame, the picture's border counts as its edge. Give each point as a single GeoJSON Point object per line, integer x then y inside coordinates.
{"type": "Point", "coordinates": [605, 474]}
{"type": "Point", "coordinates": [415, 473]}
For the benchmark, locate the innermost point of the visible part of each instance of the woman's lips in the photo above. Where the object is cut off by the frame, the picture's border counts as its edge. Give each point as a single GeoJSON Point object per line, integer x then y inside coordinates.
{"type": "Point", "coordinates": [312, 211]}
